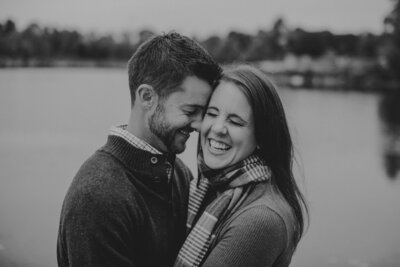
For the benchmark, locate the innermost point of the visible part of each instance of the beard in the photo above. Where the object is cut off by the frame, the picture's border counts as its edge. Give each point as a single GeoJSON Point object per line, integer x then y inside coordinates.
{"type": "Point", "coordinates": [160, 128]}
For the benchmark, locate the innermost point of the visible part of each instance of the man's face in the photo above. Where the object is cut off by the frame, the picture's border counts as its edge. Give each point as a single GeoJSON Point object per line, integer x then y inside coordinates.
{"type": "Point", "coordinates": [177, 115]}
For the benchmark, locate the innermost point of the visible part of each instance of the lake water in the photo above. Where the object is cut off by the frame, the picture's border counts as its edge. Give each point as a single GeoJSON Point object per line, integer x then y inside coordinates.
{"type": "Point", "coordinates": [347, 147]}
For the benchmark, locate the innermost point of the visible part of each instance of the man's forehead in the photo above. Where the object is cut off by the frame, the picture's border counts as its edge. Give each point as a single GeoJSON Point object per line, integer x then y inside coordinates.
{"type": "Point", "coordinates": [193, 93]}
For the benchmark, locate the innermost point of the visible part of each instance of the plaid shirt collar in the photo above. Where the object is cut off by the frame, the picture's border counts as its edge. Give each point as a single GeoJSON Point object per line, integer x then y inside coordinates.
{"type": "Point", "coordinates": [138, 143]}
{"type": "Point", "coordinates": [132, 139]}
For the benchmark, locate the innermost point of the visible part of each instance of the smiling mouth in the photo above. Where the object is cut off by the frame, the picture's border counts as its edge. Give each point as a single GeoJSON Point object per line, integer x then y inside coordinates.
{"type": "Point", "coordinates": [184, 132]}
{"type": "Point", "coordinates": [218, 146]}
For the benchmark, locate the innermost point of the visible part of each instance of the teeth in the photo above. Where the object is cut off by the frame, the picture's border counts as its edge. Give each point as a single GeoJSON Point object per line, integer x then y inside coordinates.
{"type": "Point", "coordinates": [218, 145]}
{"type": "Point", "coordinates": [184, 132]}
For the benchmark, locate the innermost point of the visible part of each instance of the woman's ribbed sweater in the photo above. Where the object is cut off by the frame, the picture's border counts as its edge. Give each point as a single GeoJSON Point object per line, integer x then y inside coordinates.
{"type": "Point", "coordinates": [258, 234]}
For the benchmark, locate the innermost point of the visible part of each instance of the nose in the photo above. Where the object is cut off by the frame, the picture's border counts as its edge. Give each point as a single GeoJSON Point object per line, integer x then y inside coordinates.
{"type": "Point", "coordinates": [196, 123]}
{"type": "Point", "coordinates": [219, 127]}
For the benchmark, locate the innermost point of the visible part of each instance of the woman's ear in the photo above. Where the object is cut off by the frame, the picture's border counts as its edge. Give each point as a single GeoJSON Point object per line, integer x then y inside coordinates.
{"type": "Point", "coordinates": [146, 96]}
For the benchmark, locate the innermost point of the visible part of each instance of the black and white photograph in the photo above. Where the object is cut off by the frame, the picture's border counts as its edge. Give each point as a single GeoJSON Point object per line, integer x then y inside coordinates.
{"type": "Point", "coordinates": [183, 133]}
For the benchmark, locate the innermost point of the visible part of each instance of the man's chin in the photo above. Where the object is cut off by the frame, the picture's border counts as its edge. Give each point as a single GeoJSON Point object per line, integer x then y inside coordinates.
{"type": "Point", "coordinates": [178, 148]}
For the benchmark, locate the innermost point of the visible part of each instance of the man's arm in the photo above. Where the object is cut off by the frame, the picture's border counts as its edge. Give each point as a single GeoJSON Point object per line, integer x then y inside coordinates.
{"type": "Point", "coordinates": [95, 230]}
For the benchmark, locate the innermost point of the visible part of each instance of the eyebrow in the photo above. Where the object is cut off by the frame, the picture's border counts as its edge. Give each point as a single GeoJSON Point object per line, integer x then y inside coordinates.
{"type": "Point", "coordinates": [231, 115]}
{"type": "Point", "coordinates": [193, 106]}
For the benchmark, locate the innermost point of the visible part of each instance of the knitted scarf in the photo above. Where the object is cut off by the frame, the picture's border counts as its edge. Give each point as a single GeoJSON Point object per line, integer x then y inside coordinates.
{"type": "Point", "coordinates": [233, 179]}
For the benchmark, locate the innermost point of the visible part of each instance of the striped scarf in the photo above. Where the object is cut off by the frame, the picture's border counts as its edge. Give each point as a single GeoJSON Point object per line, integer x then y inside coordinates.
{"type": "Point", "coordinates": [201, 233]}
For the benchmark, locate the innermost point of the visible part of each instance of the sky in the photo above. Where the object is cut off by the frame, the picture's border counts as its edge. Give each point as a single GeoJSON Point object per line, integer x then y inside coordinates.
{"type": "Point", "coordinates": [201, 18]}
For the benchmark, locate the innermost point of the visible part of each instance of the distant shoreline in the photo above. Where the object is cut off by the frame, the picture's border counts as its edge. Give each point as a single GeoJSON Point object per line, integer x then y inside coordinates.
{"type": "Point", "coordinates": [322, 74]}
{"type": "Point", "coordinates": [60, 63]}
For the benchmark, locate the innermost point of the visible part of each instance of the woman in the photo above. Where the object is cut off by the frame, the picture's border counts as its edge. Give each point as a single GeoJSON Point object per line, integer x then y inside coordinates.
{"type": "Point", "coordinates": [246, 209]}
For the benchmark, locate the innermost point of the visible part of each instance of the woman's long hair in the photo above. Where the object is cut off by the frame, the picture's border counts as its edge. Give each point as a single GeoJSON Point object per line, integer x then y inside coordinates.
{"type": "Point", "coordinates": [272, 134]}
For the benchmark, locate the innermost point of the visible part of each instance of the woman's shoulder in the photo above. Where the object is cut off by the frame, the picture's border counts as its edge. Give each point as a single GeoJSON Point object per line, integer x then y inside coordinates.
{"type": "Point", "coordinates": [265, 198]}
{"type": "Point", "coordinates": [259, 216]}
{"type": "Point", "coordinates": [257, 227]}
{"type": "Point", "coordinates": [265, 209]}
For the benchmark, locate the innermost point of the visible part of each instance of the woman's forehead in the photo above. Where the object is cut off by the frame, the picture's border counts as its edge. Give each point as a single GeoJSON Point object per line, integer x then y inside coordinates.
{"type": "Point", "coordinates": [230, 98]}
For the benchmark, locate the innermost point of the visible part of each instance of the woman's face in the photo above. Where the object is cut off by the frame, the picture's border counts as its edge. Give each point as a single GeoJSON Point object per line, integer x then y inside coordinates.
{"type": "Point", "coordinates": [227, 131]}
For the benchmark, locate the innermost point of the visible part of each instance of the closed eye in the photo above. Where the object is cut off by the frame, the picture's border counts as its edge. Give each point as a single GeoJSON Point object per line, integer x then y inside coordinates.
{"type": "Point", "coordinates": [236, 120]}
{"type": "Point", "coordinates": [211, 112]}
{"type": "Point", "coordinates": [190, 112]}
{"type": "Point", "coordinates": [237, 123]}
{"type": "Point", "coordinates": [193, 110]}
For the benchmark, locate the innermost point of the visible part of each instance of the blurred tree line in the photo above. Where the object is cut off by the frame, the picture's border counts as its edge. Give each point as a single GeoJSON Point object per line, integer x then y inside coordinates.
{"type": "Point", "coordinates": [43, 43]}
{"type": "Point", "coordinates": [44, 46]}
{"type": "Point", "coordinates": [276, 43]}
{"type": "Point", "coordinates": [391, 47]}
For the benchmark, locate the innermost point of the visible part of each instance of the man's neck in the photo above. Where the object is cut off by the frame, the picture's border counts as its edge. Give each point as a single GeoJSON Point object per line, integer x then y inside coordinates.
{"type": "Point", "coordinates": [137, 126]}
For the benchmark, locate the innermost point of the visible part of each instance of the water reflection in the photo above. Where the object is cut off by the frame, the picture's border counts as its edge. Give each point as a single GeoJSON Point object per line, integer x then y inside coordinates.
{"type": "Point", "coordinates": [389, 112]}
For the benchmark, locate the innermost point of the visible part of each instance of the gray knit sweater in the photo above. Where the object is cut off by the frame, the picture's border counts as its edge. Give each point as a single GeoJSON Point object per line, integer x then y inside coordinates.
{"type": "Point", "coordinates": [260, 233]}
{"type": "Point", "coordinates": [121, 211]}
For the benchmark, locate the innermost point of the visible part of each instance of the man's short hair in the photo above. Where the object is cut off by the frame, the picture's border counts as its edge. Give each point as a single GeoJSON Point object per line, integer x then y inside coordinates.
{"type": "Point", "coordinates": [164, 61]}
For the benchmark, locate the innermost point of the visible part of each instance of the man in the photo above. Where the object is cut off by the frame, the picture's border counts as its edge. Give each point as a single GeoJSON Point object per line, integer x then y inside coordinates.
{"type": "Point", "coordinates": [127, 205]}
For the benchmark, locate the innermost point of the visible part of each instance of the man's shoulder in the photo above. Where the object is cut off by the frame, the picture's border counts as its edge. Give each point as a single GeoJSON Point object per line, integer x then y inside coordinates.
{"type": "Point", "coordinates": [98, 166]}
{"type": "Point", "coordinates": [100, 176]}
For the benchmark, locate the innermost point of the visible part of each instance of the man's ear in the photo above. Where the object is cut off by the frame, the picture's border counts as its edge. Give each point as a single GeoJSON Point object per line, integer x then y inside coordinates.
{"type": "Point", "coordinates": [146, 96]}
